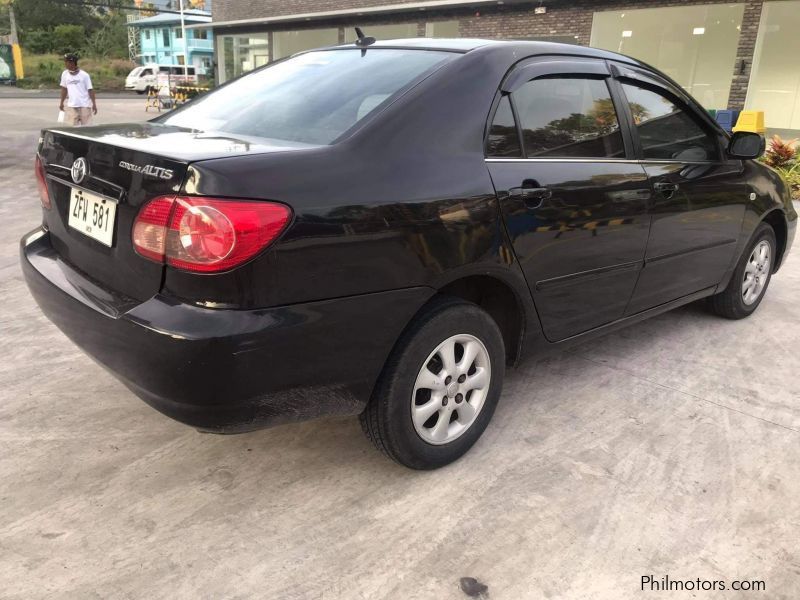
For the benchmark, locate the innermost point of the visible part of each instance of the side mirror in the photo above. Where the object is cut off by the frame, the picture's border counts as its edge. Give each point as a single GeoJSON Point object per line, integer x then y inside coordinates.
{"type": "Point", "coordinates": [746, 144]}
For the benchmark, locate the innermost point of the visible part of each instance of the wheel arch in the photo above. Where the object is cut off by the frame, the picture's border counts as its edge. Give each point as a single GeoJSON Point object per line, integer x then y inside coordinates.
{"type": "Point", "coordinates": [777, 221]}
{"type": "Point", "coordinates": [500, 300]}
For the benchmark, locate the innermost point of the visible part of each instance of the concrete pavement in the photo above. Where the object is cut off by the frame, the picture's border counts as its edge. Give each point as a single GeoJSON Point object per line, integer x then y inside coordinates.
{"type": "Point", "coordinates": [669, 448]}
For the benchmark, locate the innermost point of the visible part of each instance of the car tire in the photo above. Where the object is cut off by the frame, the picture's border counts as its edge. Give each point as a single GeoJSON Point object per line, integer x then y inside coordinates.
{"type": "Point", "coordinates": [438, 332]}
{"type": "Point", "coordinates": [739, 300]}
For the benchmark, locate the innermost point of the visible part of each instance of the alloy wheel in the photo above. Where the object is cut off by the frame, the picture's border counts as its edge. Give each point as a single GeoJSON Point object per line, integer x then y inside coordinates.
{"type": "Point", "coordinates": [450, 389]}
{"type": "Point", "coordinates": [756, 272]}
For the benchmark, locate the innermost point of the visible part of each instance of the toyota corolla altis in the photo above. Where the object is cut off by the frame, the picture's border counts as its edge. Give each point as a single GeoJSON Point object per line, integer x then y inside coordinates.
{"type": "Point", "coordinates": [380, 229]}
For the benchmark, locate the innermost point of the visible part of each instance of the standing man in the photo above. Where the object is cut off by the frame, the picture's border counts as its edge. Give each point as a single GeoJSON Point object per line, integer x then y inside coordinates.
{"type": "Point", "coordinates": [77, 86]}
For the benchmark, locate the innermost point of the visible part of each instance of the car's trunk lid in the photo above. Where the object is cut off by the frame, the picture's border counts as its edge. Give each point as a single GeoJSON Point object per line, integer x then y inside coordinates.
{"type": "Point", "coordinates": [130, 164]}
{"type": "Point", "coordinates": [129, 177]}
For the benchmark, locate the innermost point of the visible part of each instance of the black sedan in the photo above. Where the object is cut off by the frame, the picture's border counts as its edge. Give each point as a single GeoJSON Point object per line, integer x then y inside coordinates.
{"type": "Point", "coordinates": [380, 229]}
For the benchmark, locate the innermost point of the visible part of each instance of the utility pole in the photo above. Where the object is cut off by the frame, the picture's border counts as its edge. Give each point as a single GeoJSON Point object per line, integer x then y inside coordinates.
{"type": "Point", "coordinates": [13, 20]}
{"type": "Point", "coordinates": [16, 53]}
{"type": "Point", "coordinates": [185, 49]}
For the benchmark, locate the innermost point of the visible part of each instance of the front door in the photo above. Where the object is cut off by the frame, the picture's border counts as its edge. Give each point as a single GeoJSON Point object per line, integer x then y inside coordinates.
{"type": "Point", "coordinates": [699, 195]}
{"type": "Point", "coordinates": [575, 203]}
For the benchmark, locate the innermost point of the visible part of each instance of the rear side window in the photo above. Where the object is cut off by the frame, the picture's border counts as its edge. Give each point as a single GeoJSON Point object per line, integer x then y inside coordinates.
{"type": "Point", "coordinates": [311, 98]}
{"type": "Point", "coordinates": [665, 130]}
{"type": "Point", "coordinates": [568, 117]}
{"type": "Point", "coordinates": [503, 138]}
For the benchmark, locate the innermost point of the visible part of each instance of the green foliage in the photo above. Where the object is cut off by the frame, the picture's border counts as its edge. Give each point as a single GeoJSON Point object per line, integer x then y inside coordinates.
{"type": "Point", "coordinates": [52, 26]}
{"type": "Point", "coordinates": [39, 41]}
{"type": "Point", "coordinates": [44, 71]}
{"type": "Point", "coordinates": [48, 14]}
{"type": "Point", "coordinates": [111, 39]}
{"type": "Point", "coordinates": [792, 176]}
{"type": "Point", "coordinates": [68, 38]}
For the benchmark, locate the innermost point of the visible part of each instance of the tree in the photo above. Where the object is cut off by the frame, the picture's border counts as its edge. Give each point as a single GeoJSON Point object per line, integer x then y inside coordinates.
{"type": "Point", "coordinates": [68, 38]}
{"type": "Point", "coordinates": [47, 14]}
{"type": "Point", "coordinates": [110, 40]}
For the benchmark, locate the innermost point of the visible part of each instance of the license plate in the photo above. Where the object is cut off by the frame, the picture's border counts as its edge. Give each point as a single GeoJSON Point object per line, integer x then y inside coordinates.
{"type": "Point", "coordinates": [92, 215]}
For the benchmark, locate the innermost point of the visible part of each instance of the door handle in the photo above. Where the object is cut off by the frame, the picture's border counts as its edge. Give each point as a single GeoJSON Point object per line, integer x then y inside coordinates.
{"type": "Point", "coordinates": [532, 196]}
{"type": "Point", "coordinates": [666, 188]}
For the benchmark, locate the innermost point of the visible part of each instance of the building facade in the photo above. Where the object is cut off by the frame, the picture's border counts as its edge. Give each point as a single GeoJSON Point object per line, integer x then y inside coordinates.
{"type": "Point", "coordinates": [161, 40]}
{"type": "Point", "coordinates": [740, 55]}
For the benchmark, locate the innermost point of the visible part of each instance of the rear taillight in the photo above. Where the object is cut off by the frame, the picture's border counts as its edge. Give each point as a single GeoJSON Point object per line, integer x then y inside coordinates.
{"type": "Point", "coordinates": [41, 183]}
{"type": "Point", "coordinates": [206, 235]}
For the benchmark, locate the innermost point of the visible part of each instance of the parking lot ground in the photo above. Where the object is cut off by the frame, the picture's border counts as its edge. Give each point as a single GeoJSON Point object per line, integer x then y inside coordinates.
{"type": "Point", "coordinates": [671, 448]}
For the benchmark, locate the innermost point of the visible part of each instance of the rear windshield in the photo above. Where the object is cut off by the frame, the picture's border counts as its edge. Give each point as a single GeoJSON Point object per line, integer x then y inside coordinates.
{"type": "Point", "coordinates": [312, 98]}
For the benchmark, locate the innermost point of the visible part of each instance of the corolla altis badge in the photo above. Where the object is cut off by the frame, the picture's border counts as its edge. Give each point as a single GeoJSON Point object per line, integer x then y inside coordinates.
{"type": "Point", "coordinates": [151, 170]}
{"type": "Point", "coordinates": [79, 170]}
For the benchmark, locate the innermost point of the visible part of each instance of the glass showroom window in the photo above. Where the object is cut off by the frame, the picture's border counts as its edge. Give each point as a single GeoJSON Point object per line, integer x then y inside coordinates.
{"type": "Point", "coordinates": [695, 45]}
{"type": "Point", "coordinates": [775, 79]}
{"type": "Point", "coordinates": [238, 54]}
{"type": "Point", "coordinates": [442, 29]}
{"type": "Point", "coordinates": [286, 43]}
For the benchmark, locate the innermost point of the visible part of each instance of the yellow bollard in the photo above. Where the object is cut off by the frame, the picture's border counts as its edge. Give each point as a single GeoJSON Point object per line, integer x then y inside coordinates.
{"type": "Point", "coordinates": [17, 54]}
{"type": "Point", "coordinates": [751, 120]}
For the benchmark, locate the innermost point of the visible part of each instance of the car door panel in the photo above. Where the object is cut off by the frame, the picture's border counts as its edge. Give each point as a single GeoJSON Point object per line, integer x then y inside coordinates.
{"type": "Point", "coordinates": [693, 233]}
{"type": "Point", "coordinates": [699, 196]}
{"type": "Point", "coordinates": [582, 248]}
{"type": "Point", "coordinates": [575, 205]}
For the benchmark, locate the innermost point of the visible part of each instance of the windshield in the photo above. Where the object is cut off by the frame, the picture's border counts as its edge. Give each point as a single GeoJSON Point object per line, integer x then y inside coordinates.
{"type": "Point", "coordinates": [135, 72]}
{"type": "Point", "coordinates": [312, 98]}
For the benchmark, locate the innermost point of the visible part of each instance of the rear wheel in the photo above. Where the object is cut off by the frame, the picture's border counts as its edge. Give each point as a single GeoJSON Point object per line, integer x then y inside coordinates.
{"type": "Point", "coordinates": [751, 278]}
{"type": "Point", "coordinates": [439, 388]}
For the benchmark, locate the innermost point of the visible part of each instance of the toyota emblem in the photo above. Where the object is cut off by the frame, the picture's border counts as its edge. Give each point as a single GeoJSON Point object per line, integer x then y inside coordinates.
{"type": "Point", "coordinates": [79, 169]}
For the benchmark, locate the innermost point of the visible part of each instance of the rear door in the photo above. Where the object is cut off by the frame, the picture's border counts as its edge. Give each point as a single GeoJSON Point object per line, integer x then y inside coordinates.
{"type": "Point", "coordinates": [699, 194]}
{"type": "Point", "coordinates": [574, 199]}
{"type": "Point", "coordinates": [110, 176]}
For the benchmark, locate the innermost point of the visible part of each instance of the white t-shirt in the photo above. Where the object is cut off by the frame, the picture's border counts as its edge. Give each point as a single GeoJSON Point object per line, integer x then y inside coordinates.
{"type": "Point", "coordinates": [78, 86]}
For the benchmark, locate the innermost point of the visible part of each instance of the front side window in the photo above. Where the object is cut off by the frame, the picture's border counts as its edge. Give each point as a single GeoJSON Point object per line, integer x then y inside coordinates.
{"type": "Point", "coordinates": [666, 131]}
{"type": "Point", "coordinates": [568, 117]}
{"type": "Point", "coordinates": [311, 98]}
{"type": "Point", "coordinates": [503, 139]}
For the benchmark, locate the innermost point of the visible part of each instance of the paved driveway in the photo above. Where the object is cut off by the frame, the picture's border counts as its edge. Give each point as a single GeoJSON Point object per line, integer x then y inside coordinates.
{"type": "Point", "coordinates": [671, 449]}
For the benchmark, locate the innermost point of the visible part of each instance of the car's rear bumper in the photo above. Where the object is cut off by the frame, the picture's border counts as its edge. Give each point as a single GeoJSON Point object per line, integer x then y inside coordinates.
{"type": "Point", "coordinates": [225, 370]}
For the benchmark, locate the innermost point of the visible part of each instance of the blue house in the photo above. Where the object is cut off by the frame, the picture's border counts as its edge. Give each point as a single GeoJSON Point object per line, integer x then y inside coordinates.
{"type": "Point", "coordinates": [161, 40]}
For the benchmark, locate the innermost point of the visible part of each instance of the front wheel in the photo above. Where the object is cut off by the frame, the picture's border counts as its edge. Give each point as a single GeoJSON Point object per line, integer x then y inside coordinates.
{"type": "Point", "coordinates": [751, 278]}
{"type": "Point", "coordinates": [439, 388]}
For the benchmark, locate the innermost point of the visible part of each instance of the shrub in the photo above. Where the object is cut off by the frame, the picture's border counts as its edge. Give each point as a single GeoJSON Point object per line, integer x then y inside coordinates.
{"type": "Point", "coordinates": [39, 41]}
{"type": "Point", "coordinates": [68, 38]}
{"type": "Point", "coordinates": [780, 153]}
{"type": "Point", "coordinates": [792, 177]}
{"type": "Point", "coordinates": [44, 71]}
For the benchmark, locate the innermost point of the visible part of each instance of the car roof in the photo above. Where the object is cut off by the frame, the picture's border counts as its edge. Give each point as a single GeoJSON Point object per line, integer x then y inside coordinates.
{"type": "Point", "coordinates": [520, 47]}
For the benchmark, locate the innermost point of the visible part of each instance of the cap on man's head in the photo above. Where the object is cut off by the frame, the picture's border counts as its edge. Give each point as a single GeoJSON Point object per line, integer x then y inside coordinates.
{"type": "Point", "coordinates": [69, 56]}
